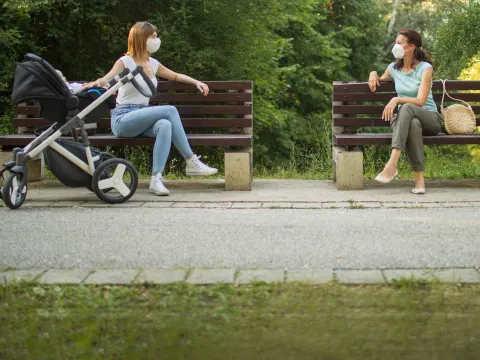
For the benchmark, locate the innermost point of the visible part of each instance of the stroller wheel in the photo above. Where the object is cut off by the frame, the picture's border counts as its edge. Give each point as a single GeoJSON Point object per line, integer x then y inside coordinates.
{"type": "Point", "coordinates": [115, 181]}
{"type": "Point", "coordinates": [12, 196]}
{"type": "Point", "coordinates": [103, 157]}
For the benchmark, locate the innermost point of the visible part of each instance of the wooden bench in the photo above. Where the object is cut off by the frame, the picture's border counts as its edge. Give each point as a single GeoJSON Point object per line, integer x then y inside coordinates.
{"type": "Point", "coordinates": [224, 119]}
{"type": "Point", "coordinates": [354, 107]}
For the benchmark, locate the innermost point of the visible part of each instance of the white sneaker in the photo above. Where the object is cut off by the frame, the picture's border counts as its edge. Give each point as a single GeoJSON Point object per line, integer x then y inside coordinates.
{"type": "Point", "coordinates": [196, 168]}
{"type": "Point", "coordinates": [157, 187]}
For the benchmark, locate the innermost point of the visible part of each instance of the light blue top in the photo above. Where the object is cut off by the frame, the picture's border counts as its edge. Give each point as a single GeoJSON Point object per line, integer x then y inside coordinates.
{"type": "Point", "coordinates": [407, 84]}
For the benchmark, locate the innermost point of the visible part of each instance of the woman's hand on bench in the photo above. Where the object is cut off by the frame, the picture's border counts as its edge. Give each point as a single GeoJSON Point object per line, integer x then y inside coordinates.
{"type": "Point", "coordinates": [202, 87]}
{"type": "Point", "coordinates": [373, 81]}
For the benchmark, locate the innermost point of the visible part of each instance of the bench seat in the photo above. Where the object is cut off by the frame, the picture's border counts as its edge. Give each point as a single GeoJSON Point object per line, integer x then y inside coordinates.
{"type": "Point", "coordinates": [241, 140]}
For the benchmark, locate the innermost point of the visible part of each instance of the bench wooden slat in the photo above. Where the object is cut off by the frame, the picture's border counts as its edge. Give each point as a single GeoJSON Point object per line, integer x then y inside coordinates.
{"type": "Point", "coordinates": [27, 110]}
{"type": "Point", "coordinates": [110, 140]}
{"type": "Point", "coordinates": [182, 109]}
{"type": "Point", "coordinates": [371, 109]}
{"type": "Point", "coordinates": [472, 97]}
{"type": "Point", "coordinates": [215, 109]}
{"type": "Point", "coordinates": [386, 139]}
{"type": "Point", "coordinates": [367, 121]}
{"type": "Point", "coordinates": [221, 97]}
{"type": "Point", "coordinates": [388, 86]}
{"type": "Point", "coordinates": [187, 123]}
{"type": "Point", "coordinates": [212, 85]}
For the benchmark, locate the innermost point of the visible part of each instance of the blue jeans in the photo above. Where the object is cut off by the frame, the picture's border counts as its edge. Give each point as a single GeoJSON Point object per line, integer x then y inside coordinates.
{"type": "Point", "coordinates": [159, 122]}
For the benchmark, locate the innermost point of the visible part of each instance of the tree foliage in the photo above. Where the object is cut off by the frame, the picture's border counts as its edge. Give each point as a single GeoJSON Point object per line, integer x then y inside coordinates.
{"type": "Point", "coordinates": [457, 40]}
{"type": "Point", "coordinates": [292, 49]}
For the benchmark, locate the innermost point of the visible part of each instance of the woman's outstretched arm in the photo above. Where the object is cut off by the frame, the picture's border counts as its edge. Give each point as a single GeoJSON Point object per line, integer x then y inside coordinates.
{"type": "Point", "coordinates": [168, 74]}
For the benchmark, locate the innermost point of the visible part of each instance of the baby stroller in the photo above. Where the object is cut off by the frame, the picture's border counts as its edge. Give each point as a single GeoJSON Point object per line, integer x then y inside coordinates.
{"type": "Point", "coordinates": [72, 161]}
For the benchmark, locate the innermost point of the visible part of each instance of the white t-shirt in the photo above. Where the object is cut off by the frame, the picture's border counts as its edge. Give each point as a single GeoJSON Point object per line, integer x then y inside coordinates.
{"type": "Point", "coordinates": [127, 94]}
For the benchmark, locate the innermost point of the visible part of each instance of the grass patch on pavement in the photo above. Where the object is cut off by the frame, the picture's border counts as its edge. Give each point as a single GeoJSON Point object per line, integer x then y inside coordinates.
{"type": "Point", "coordinates": [282, 321]}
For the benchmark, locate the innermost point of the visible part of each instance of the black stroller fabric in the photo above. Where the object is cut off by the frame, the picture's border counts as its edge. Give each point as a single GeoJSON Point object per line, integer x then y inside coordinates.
{"type": "Point", "coordinates": [34, 82]}
{"type": "Point", "coordinates": [64, 170]}
{"type": "Point", "coordinates": [90, 95]}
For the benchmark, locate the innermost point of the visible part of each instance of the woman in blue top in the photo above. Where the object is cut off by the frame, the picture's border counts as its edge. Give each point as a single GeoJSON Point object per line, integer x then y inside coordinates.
{"type": "Point", "coordinates": [412, 73]}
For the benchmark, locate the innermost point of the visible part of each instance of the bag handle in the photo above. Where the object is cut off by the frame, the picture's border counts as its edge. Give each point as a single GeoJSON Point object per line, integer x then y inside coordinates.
{"type": "Point", "coordinates": [445, 92]}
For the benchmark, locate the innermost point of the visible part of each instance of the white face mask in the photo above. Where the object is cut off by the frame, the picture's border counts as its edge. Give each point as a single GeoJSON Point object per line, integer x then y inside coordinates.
{"type": "Point", "coordinates": [153, 45]}
{"type": "Point", "coordinates": [398, 51]}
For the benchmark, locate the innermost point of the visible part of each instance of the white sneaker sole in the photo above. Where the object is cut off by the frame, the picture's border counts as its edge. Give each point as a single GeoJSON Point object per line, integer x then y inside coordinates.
{"type": "Point", "coordinates": [209, 173]}
{"type": "Point", "coordinates": [159, 193]}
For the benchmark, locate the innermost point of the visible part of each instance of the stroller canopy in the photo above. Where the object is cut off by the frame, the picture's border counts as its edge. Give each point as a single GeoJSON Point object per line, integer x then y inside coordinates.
{"type": "Point", "coordinates": [36, 79]}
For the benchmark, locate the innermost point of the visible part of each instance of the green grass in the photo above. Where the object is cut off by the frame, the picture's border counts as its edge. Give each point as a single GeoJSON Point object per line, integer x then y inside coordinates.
{"type": "Point", "coordinates": [408, 320]}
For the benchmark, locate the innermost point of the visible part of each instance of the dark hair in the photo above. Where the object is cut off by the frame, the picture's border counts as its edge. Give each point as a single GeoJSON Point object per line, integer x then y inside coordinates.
{"type": "Point", "coordinates": [414, 38]}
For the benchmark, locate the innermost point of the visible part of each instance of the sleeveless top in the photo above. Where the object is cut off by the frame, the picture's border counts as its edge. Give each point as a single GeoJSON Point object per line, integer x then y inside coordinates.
{"type": "Point", "coordinates": [128, 94]}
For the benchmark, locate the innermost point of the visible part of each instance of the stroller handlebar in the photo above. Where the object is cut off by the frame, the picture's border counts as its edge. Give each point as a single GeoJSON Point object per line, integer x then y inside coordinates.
{"type": "Point", "coordinates": [151, 87]}
{"type": "Point", "coordinates": [71, 100]}
{"type": "Point", "coordinates": [117, 78]}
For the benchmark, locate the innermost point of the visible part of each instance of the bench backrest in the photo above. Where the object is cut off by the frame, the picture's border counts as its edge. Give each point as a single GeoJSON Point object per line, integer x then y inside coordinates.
{"type": "Point", "coordinates": [228, 106]}
{"type": "Point", "coordinates": [354, 105]}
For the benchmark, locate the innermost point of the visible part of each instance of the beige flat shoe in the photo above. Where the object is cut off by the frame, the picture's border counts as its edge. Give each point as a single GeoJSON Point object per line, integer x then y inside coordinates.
{"type": "Point", "coordinates": [418, 191]}
{"type": "Point", "coordinates": [385, 180]}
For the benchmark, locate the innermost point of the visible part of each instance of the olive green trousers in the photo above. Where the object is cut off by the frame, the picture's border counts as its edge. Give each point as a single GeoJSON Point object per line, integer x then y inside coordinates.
{"type": "Point", "coordinates": [410, 124]}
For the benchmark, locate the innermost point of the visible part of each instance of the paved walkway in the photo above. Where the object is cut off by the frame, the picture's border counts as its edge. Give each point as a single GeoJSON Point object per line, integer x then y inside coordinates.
{"type": "Point", "coordinates": [236, 276]}
{"type": "Point", "coordinates": [284, 227]}
{"type": "Point", "coordinates": [272, 193]}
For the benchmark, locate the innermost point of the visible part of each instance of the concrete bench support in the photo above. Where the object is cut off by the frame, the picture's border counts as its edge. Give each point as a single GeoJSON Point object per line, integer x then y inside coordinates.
{"type": "Point", "coordinates": [238, 170]}
{"type": "Point", "coordinates": [348, 167]}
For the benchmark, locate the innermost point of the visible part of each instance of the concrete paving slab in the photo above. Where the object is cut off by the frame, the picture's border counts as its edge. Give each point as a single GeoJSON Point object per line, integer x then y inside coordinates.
{"type": "Point", "coordinates": [211, 276]}
{"type": "Point", "coordinates": [96, 204]}
{"type": "Point", "coordinates": [21, 275]}
{"type": "Point", "coordinates": [217, 205]}
{"type": "Point", "coordinates": [359, 276]}
{"type": "Point", "coordinates": [64, 276]}
{"type": "Point", "coordinates": [275, 205]}
{"type": "Point", "coordinates": [112, 277]}
{"type": "Point", "coordinates": [161, 276]}
{"type": "Point", "coordinates": [367, 205]}
{"type": "Point", "coordinates": [62, 203]}
{"type": "Point", "coordinates": [187, 205]}
{"type": "Point", "coordinates": [158, 204]}
{"type": "Point", "coordinates": [465, 276]}
{"type": "Point", "coordinates": [400, 204]}
{"type": "Point", "coordinates": [260, 275]}
{"type": "Point", "coordinates": [37, 204]}
{"type": "Point", "coordinates": [338, 205]}
{"type": "Point", "coordinates": [307, 205]}
{"type": "Point", "coordinates": [457, 204]}
{"type": "Point", "coordinates": [320, 276]}
{"type": "Point", "coordinates": [129, 204]}
{"type": "Point", "coordinates": [246, 205]}
{"type": "Point", "coordinates": [408, 274]}
{"type": "Point", "coordinates": [427, 205]}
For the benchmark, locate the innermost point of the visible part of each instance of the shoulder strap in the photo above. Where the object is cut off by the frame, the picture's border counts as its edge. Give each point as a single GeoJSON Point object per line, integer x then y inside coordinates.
{"type": "Point", "coordinates": [445, 93]}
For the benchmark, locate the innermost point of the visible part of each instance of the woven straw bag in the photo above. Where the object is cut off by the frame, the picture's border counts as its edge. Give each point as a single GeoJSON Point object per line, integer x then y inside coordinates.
{"type": "Point", "coordinates": [458, 119]}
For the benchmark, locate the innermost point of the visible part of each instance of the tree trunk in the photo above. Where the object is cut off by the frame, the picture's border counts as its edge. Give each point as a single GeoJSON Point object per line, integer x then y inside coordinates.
{"type": "Point", "coordinates": [396, 3]}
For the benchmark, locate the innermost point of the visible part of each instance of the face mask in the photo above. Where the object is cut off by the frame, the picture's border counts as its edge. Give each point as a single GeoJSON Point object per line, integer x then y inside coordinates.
{"type": "Point", "coordinates": [153, 45]}
{"type": "Point", "coordinates": [398, 51]}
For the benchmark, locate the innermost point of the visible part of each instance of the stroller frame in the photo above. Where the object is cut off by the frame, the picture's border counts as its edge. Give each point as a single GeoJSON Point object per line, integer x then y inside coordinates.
{"type": "Point", "coordinates": [17, 166]}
